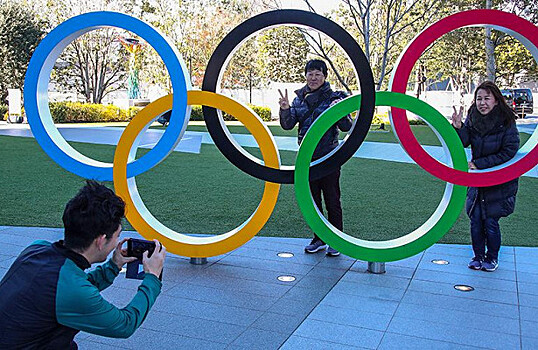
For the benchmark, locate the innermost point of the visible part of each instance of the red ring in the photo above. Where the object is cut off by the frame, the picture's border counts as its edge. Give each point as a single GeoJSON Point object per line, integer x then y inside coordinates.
{"type": "Point", "coordinates": [400, 79]}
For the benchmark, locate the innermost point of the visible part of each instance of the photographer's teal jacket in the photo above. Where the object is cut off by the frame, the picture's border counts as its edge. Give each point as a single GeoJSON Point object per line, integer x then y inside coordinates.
{"type": "Point", "coordinates": [46, 298]}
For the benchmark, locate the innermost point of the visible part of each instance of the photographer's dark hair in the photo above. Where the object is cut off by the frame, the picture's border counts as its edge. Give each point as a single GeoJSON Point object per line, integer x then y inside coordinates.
{"type": "Point", "coordinates": [507, 112]}
{"type": "Point", "coordinates": [316, 65]}
{"type": "Point", "coordinates": [94, 211]}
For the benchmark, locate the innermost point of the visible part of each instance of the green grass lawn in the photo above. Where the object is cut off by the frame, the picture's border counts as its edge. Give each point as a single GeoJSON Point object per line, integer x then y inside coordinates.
{"type": "Point", "coordinates": [204, 193]}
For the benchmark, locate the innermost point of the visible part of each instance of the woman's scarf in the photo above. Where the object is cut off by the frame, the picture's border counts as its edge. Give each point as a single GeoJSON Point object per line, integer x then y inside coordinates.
{"type": "Point", "coordinates": [486, 123]}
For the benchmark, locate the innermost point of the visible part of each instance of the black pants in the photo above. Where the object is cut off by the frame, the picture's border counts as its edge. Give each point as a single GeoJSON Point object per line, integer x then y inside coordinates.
{"type": "Point", "coordinates": [485, 231]}
{"type": "Point", "coordinates": [330, 187]}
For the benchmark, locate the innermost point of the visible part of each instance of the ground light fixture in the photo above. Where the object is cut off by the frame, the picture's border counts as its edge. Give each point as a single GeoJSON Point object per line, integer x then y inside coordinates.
{"type": "Point", "coordinates": [463, 288]}
{"type": "Point", "coordinates": [440, 262]}
{"type": "Point", "coordinates": [285, 255]}
{"type": "Point", "coordinates": [286, 278]}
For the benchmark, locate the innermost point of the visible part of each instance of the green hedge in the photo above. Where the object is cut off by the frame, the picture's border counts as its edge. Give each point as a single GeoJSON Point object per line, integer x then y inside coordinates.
{"type": "Point", "coordinates": [76, 112]}
{"type": "Point", "coordinates": [263, 112]}
{"type": "Point", "coordinates": [3, 111]}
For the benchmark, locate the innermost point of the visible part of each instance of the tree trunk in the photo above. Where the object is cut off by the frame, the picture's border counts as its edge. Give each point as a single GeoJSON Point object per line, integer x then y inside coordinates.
{"type": "Point", "coordinates": [490, 50]}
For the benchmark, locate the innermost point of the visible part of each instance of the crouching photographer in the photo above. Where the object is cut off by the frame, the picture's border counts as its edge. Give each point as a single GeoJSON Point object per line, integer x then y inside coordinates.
{"type": "Point", "coordinates": [46, 297]}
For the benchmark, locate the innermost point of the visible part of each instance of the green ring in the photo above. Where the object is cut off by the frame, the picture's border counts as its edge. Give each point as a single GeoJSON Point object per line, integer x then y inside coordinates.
{"type": "Point", "coordinates": [412, 243]}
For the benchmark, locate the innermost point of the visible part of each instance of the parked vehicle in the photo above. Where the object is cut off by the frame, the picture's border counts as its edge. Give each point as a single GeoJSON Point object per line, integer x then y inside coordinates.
{"type": "Point", "coordinates": [520, 100]}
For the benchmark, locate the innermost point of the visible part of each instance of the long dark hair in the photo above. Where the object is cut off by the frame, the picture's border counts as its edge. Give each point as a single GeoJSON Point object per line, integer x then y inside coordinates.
{"type": "Point", "coordinates": [507, 112]}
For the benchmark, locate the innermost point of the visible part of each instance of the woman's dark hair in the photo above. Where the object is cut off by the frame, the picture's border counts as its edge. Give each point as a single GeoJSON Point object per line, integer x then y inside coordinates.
{"type": "Point", "coordinates": [94, 211]}
{"type": "Point", "coordinates": [506, 111]}
{"type": "Point", "coordinates": [316, 65]}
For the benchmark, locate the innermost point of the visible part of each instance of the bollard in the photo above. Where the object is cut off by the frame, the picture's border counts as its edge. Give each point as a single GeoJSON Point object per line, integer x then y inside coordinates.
{"type": "Point", "coordinates": [198, 261]}
{"type": "Point", "coordinates": [376, 267]}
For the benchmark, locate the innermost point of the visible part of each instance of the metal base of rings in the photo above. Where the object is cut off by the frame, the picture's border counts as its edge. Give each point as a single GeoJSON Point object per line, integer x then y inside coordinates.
{"type": "Point", "coordinates": [376, 267]}
{"type": "Point", "coordinates": [198, 261]}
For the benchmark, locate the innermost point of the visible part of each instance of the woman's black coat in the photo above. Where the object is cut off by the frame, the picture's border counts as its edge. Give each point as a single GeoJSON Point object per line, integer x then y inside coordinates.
{"type": "Point", "coordinates": [493, 148]}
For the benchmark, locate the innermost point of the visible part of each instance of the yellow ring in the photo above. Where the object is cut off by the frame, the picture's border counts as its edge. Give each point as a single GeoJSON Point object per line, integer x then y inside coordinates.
{"type": "Point", "coordinates": [147, 225]}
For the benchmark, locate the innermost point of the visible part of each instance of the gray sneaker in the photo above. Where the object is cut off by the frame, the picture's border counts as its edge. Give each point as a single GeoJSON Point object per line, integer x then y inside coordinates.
{"type": "Point", "coordinates": [490, 265]}
{"type": "Point", "coordinates": [331, 251]}
{"type": "Point", "coordinates": [315, 246]}
{"type": "Point", "coordinates": [475, 263]}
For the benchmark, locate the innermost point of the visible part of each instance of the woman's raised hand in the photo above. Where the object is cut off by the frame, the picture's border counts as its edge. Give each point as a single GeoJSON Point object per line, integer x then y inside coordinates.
{"type": "Point", "coordinates": [457, 117]}
{"type": "Point", "coordinates": [283, 101]}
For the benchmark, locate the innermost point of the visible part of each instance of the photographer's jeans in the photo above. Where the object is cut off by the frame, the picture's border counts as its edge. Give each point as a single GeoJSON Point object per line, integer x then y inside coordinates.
{"type": "Point", "coordinates": [485, 231]}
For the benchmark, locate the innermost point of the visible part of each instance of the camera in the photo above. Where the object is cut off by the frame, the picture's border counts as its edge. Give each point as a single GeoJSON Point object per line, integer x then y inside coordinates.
{"type": "Point", "coordinates": [136, 248]}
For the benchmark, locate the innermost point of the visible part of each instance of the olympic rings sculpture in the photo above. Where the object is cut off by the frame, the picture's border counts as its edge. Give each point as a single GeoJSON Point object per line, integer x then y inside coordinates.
{"type": "Point", "coordinates": [125, 167]}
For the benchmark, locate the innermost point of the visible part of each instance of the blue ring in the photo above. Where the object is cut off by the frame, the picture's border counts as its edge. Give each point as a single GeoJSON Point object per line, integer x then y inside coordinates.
{"type": "Point", "coordinates": [36, 93]}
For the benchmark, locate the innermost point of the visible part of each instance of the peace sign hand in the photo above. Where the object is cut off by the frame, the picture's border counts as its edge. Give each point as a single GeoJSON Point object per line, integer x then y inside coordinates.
{"type": "Point", "coordinates": [283, 101]}
{"type": "Point", "coordinates": [457, 117]}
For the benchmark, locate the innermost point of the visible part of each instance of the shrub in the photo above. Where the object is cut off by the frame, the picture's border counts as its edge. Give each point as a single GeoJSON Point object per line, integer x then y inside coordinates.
{"type": "Point", "coordinates": [3, 111]}
{"type": "Point", "coordinates": [263, 112]}
{"type": "Point", "coordinates": [76, 112]}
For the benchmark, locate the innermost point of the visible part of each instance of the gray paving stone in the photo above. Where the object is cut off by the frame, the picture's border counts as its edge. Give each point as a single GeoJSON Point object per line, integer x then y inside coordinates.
{"type": "Point", "coordinates": [90, 345]}
{"type": "Point", "coordinates": [381, 280]}
{"type": "Point", "coordinates": [450, 333]}
{"type": "Point", "coordinates": [411, 262]}
{"type": "Point", "coordinates": [529, 343]}
{"type": "Point", "coordinates": [462, 269]}
{"type": "Point", "coordinates": [219, 331]}
{"type": "Point", "coordinates": [294, 307]}
{"type": "Point", "coordinates": [528, 300]}
{"type": "Point", "coordinates": [496, 296]}
{"type": "Point", "coordinates": [456, 303]}
{"type": "Point", "coordinates": [259, 339]}
{"type": "Point", "coordinates": [337, 333]}
{"type": "Point", "coordinates": [247, 273]}
{"type": "Point", "coordinates": [205, 310]}
{"type": "Point", "coordinates": [365, 290]}
{"type": "Point", "coordinates": [391, 270]}
{"type": "Point", "coordinates": [274, 322]}
{"type": "Point", "coordinates": [393, 341]}
{"type": "Point", "coordinates": [457, 318]}
{"type": "Point", "coordinates": [220, 296]}
{"type": "Point", "coordinates": [310, 293]}
{"type": "Point", "coordinates": [527, 277]}
{"type": "Point", "coordinates": [360, 304]}
{"type": "Point", "coordinates": [149, 339]}
{"type": "Point", "coordinates": [299, 257]}
{"type": "Point", "coordinates": [528, 288]}
{"type": "Point", "coordinates": [295, 342]}
{"type": "Point", "coordinates": [267, 265]}
{"type": "Point", "coordinates": [526, 251]}
{"type": "Point", "coordinates": [6, 263]}
{"type": "Point", "coordinates": [529, 329]}
{"type": "Point", "coordinates": [240, 285]}
{"type": "Point", "coordinates": [524, 267]}
{"type": "Point", "coordinates": [475, 280]}
{"type": "Point", "coordinates": [368, 320]}
{"type": "Point", "coordinates": [528, 313]}
{"type": "Point", "coordinates": [337, 262]}
{"type": "Point", "coordinates": [463, 256]}
{"type": "Point", "coordinates": [18, 240]}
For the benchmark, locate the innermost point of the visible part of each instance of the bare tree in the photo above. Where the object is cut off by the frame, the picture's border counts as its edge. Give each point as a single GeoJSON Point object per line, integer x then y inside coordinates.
{"type": "Point", "coordinates": [93, 65]}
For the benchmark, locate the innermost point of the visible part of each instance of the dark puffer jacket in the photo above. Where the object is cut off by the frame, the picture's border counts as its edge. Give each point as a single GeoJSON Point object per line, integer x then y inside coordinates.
{"type": "Point", "coordinates": [319, 100]}
{"type": "Point", "coordinates": [495, 147]}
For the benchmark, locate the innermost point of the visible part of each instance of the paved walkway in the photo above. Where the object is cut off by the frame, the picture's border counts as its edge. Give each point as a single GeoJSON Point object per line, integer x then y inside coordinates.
{"type": "Point", "coordinates": [236, 301]}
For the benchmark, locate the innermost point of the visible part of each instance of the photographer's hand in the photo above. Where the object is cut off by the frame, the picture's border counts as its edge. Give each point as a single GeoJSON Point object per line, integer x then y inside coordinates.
{"type": "Point", "coordinates": [120, 257]}
{"type": "Point", "coordinates": [154, 264]}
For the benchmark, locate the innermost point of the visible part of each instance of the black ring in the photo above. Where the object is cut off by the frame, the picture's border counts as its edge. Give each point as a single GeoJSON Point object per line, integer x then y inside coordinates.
{"type": "Point", "coordinates": [346, 42]}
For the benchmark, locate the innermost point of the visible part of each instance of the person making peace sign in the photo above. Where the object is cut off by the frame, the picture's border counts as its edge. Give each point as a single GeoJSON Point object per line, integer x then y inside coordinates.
{"type": "Point", "coordinates": [312, 100]}
{"type": "Point", "coordinates": [490, 130]}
